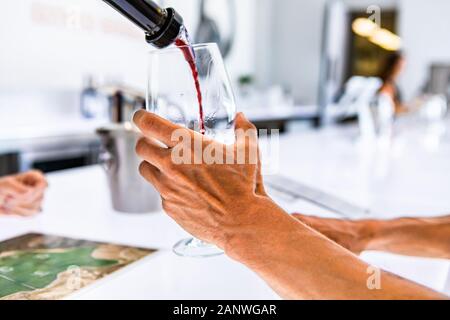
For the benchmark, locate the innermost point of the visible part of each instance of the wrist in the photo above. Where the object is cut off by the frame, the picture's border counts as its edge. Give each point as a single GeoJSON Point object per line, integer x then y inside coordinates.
{"type": "Point", "coordinates": [263, 227]}
{"type": "Point", "coordinates": [375, 233]}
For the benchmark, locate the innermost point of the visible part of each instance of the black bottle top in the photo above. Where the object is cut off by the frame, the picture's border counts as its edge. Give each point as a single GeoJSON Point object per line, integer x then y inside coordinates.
{"type": "Point", "coordinates": [161, 26]}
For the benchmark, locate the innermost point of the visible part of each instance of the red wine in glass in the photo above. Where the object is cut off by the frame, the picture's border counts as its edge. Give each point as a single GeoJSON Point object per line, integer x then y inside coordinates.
{"type": "Point", "coordinates": [184, 44]}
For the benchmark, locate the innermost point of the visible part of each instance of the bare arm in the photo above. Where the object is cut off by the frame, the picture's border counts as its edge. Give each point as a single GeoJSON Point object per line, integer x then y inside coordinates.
{"type": "Point", "coordinates": [225, 204]}
{"type": "Point", "coordinates": [300, 263]}
{"type": "Point", "coordinates": [414, 237]}
{"type": "Point", "coordinates": [408, 236]}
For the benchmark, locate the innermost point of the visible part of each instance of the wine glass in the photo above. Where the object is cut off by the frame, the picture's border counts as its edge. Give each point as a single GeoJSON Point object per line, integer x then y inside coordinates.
{"type": "Point", "coordinates": [211, 110]}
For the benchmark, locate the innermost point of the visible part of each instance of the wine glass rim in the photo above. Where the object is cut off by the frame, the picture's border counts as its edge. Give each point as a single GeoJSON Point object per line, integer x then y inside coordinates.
{"type": "Point", "coordinates": [177, 48]}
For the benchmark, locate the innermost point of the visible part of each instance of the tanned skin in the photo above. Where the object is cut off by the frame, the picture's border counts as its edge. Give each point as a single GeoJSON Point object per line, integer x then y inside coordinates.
{"type": "Point", "coordinates": [407, 236]}
{"type": "Point", "coordinates": [226, 205]}
{"type": "Point", "coordinates": [22, 194]}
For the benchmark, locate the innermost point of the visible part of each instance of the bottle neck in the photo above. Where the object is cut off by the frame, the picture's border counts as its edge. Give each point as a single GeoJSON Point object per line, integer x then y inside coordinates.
{"type": "Point", "coordinates": [161, 26]}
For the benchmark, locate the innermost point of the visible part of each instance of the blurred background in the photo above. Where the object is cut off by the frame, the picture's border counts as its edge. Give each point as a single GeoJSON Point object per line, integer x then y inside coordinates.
{"type": "Point", "coordinates": [358, 89]}
{"type": "Point", "coordinates": [68, 67]}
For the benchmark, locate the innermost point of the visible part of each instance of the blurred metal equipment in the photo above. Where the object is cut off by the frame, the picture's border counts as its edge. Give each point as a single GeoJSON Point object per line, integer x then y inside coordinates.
{"type": "Point", "coordinates": [208, 29]}
{"type": "Point", "coordinates": [334, 46]}
{"type": "Point", "coordinates": [9, 164]}
{"type": "Point", "coordinates": [357, 101]}
{"type": "Point", "coordinates": [59, 153]}
{"type": "Point", "coordinates": [439, 82]}
{"type": "Point", "coordinates": [130, 193]}
{"type": "Point", "coordinates": [119, 102]}
{"type": "Point", "coordinates": [50, 137]}
{"type": "Point", "coordinates": [358, 92]}
{"type": "Point", "coordinates": [50, 154]}
{"type": "Point", "coordinates": [124, 103]}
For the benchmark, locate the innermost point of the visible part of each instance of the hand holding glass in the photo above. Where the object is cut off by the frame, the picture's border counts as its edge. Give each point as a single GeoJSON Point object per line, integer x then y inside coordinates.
{"type": "Point", "coordinates": [172, 94]}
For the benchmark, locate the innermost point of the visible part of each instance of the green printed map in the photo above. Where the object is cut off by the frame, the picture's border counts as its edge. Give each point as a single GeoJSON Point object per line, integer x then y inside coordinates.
{"type": "Point", "coordinates": [34, 266]}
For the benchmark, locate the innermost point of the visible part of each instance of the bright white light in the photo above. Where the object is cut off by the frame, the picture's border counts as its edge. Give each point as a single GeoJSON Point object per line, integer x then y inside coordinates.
{"type": "Point", "coordinates": [386, 39]}
{"type": "Point", "coordinates": [364, 27]}
{"type": "Point", "coordinates": [381, 37]}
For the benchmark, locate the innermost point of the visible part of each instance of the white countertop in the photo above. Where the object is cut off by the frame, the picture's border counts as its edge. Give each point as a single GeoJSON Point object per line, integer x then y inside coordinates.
{"type": "Point", "coordinates": [281, 113]}
{"type": "Point", "coordinates": [413, 179]}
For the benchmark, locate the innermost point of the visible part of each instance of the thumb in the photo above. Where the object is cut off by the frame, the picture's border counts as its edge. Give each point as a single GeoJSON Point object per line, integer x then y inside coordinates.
{"type": "Point", "coordinates": [244, 130]}
{"type": "Point", "coordinates": [243, 123]}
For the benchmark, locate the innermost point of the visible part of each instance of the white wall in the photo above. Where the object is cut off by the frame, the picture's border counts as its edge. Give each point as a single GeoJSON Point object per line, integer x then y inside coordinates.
{"type": "Point", "coordinates": [47, 47]}
{"type": "Point", "coordinates": [278, 41]}
{"type": "Point", "coordinates": [241, 60]}
{"type": "Point", "coordinates": [54, 43]}
{"type": "Point", "coordinates": [263, 42]}
{"type": "Point", "coordinates": [424, 27]}
{"type": "Point", "coordinates": [296, 46]}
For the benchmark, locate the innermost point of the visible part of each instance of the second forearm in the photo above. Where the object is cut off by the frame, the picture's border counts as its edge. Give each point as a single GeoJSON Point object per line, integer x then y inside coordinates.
{"type": "Point", "coordinates": [413, 237]}
{"type": "Point", "coordinates": [300, 263]}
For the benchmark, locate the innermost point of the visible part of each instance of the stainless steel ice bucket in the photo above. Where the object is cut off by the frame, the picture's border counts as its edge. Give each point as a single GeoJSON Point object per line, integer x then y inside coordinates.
{"type": "Point", "coordinates": [130, 193]}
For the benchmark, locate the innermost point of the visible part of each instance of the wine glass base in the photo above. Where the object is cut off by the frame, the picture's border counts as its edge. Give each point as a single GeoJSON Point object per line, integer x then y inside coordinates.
{"type": "Point", "coordinates": [193, 248]}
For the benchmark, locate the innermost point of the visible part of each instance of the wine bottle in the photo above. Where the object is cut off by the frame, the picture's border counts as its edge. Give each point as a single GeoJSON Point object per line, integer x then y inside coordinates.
{"type": "Point", "coordinates": [161, 26]}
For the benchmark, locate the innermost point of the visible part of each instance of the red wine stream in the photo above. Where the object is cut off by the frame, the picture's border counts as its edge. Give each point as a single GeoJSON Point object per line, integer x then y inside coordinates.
{"type": "Point", "coordinates": [189, 55]}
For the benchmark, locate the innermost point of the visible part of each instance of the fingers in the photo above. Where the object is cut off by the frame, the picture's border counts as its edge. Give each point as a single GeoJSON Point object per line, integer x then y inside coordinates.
{"type": "Point", "coordinates": [30, 197]}
{"type": "Point", "coordinates": [153, 126]}
{"type": "Point", "coordinates": [38, 180]}
{"type": "Point", "coordinates": [152, 153]}
{"type": "Point", "coordinates": [22, 194]}
{"type": "Point", "coordinates": [26, 211]}
{"type": "Point", "coordinates": [24, 187]}
{"type": "Point", "coordinates": [22, 208]}
{"type": "Point", "coordinates": [243, 123]}
{"type": "Point", "coordinates": [246, 141]}
{"type": "Point", "coordinates": [245, 130]}
{"type": "Point", "coordinates": [4, 207]}
{"type": "Point", "coordinates": [14, 188]}
{"type": "Point", "coordinates": [305, 219]}
{"type": "Point", "coordinates": [260, 189]}
{"type": "Point", "coordinates": [37, 198]}
{"type": "Point", "coordinates": [34, 178]}
{"type": "Point", "coordinates": [318, 224]}
{"type": "Point", "coordinates": [151, 174]}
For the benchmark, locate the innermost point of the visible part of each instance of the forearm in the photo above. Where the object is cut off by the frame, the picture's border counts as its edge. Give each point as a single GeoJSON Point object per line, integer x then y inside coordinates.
{"type": "Point", "coordinates": [413, 237]}
{"type": "Point", "coordinates": [300, 263]}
